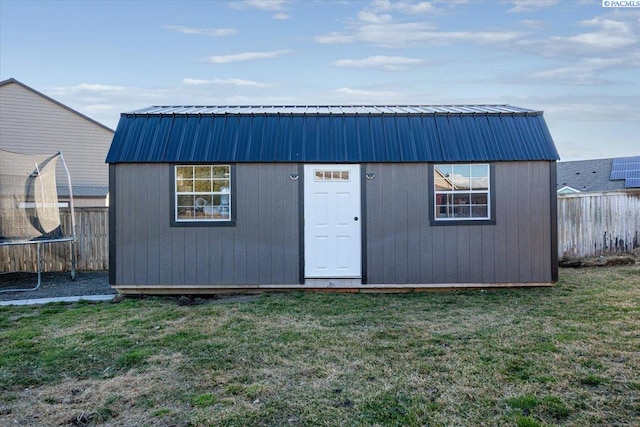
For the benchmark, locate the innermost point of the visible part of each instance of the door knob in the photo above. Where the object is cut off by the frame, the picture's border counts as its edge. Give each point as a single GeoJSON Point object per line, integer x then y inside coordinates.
{"type": "Point", "coordinates": [355, 219]}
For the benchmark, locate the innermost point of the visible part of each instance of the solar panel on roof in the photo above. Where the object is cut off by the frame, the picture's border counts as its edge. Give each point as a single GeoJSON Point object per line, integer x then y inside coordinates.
{"type": "Point", "coordinates": [625, 161]}
{"type": "Point", "coordinates": [624, 174]}
{"type": "Point", "coordinates": [632, 183]}
{"type": "Point", "coordinates": [625, 168]}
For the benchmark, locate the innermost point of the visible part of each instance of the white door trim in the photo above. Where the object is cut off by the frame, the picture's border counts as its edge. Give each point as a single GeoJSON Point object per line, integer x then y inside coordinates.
{"type": "Point", "coordinates": [332, 221]}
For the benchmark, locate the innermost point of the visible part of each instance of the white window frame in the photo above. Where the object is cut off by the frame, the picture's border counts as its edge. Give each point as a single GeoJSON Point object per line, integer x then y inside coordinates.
{"type": "Point", "coordinates": [461, 192]}
{"type": "Point", "coordinates": [202, 210]}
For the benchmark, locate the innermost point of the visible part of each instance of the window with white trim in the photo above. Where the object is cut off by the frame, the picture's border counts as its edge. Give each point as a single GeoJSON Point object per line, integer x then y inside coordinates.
{"type": "Point", "coordinates": [203, 193]}
{"type": "Point", "coordinates": [461, 192]}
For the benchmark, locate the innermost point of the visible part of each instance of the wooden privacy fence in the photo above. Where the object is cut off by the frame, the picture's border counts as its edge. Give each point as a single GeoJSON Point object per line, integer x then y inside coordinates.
{"type": "Point", "coordinates": [92, 247]}
{"type": "Point", "coordinates": [594, 224]}
{"type": "Point", "coordinates": [589, 224]}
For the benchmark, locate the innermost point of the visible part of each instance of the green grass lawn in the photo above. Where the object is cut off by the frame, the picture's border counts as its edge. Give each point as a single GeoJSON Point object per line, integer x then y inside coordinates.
{"type": "Point", "coordinates": [567, 355]}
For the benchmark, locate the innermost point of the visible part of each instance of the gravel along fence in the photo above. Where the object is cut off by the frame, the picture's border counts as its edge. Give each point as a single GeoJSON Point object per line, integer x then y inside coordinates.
{"type": "Point", "coordinates": [55, 285]}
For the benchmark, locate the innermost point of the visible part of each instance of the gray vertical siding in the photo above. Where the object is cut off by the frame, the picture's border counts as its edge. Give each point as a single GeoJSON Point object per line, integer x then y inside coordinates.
{"type": "Point", "coordinates": [402, 247]}
{"type": "Point", "coordinates": [262, 248]}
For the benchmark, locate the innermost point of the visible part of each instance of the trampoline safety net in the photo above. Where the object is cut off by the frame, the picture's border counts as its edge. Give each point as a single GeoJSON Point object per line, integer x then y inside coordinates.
{"type": "Point", "coordinates": [28, 197]}
{"type": "Point", "coordinates": [29, 209]}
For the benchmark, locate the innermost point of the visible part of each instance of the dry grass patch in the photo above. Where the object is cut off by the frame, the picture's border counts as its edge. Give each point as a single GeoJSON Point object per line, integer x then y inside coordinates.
{"type": "Point", "coordinates": [124, 399]}
{"type": "Point", "coordinates": [567, 355]}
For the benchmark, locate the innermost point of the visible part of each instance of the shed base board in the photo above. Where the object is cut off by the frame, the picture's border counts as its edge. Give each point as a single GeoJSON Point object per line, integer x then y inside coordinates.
{"type": "Point", "coordinates": [332, 283]}
{"type": "Point", "coordinates": [355, 288]}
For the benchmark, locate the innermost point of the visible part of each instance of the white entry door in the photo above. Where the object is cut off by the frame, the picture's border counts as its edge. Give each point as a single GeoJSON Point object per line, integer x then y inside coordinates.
{"type": "Point", "coordinates": [332, 230]}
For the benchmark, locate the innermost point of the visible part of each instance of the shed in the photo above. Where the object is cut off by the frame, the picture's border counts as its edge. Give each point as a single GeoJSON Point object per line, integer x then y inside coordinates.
{"type": "Point", "coordinates": [207, 199]}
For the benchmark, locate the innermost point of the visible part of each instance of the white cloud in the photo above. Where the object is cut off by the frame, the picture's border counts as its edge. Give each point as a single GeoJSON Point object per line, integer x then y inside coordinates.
{"type": "Point", "coordinates": [90, 88]}
{"type": "Point", "coordinates": [401, 34]}
{"type": "Point", "coordinates": [376, 25]}
{"type": "Point", "coordinates": [105, 103]}
{"type": "Point", "coordinates": [226, 82]}
{"type": "Point", "coordinates": [406, 7]}
{"type": "Point", "coordinates": [608, 36]}
{"type": "Point", "coordinates": [590, 108]}
{"type": "Point", "coordinates": [531, 5]}
{"type": "Point", "coordinates": [533, 24]}
{"type": "Point", "coordinates": [574, 75]}
{"type": "Point", "coordinates": [588, 71]}
{"type": "Point", "coordinates": [359, 94]}
{"type": "Point", "coordinates": [215, 32]}
{"type": "Point", "coordinates": [373, 18]}
{"type": "Point", "coordinates": [265, 5]}
{"type": "Point", "coordinates": [245, 56]}
{"type": "Point", "coordinates": [481, 37]}
{"type": "Point", "coordinates": [335, 38]}
{"type": "Point", "coordinates": [380, 62]}
{"type": "Point", "coordinates": [189, 81]}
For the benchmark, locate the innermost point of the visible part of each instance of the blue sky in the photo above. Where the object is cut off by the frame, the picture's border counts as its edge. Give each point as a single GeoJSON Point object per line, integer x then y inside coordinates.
{"type": "Point", "coordinates": [576, 60]}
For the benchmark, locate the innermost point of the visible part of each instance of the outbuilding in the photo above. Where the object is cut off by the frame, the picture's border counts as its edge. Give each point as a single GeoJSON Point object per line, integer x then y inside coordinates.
{"type": "Point", "coordinates": [208, 199]}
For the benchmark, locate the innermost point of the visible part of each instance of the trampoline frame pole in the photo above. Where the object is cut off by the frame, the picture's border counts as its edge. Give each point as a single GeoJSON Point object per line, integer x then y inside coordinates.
{"type": "Point", "coordinates": [73, 219]}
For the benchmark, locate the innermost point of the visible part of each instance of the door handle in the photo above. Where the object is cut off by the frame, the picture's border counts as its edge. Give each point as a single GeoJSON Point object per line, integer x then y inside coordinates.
{"type": "Point", "coordinates": [355, 219]}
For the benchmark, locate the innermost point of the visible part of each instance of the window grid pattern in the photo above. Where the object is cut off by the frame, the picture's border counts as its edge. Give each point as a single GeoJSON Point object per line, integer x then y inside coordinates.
{"type": "Point", "coordinates": [331, 175]}
{"type": "Point", "coordinates": [202, 193]}
{"type": "Point", "coordinates": [461, 192]}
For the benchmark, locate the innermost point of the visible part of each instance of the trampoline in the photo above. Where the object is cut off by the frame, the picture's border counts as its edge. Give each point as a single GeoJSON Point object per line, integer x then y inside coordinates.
{"type": "Point", "coordinates": [29, 207]}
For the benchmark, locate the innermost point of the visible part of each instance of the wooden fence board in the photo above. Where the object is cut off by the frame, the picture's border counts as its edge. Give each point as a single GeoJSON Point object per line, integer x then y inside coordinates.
{"type": "Point", "coordinates": [594, 224]}
{"type": "Point", "coordinates": [92, 246]}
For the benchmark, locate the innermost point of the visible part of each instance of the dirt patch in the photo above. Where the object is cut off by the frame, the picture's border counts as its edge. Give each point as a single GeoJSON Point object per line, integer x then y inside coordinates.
{"type": "Point", "coordinates": [216, 299]}
{"type": "Point", "coordinates": [119, 400]}
{"type": "Point", "coordinates": [601, 261]}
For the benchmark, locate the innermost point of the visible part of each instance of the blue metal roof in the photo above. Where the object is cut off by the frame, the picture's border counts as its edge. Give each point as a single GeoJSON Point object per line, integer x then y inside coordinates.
{"type": "Point", "coordinates": [347, 134]}
{"type": "Point", "coordinates": [332, 109]}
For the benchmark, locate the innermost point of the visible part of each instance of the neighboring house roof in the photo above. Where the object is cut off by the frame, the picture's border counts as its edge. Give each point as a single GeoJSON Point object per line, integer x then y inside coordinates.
{"type": "Point", "coordinates": [84, 191]}
{"type": "Point", "coordinates": [590, 175]}
{"type": "Point", "coordinates": [12, 80]}
{"type": "Point", "coordinates": [354, 134]}
{"type": "Point", "coordinates": [568, 190]}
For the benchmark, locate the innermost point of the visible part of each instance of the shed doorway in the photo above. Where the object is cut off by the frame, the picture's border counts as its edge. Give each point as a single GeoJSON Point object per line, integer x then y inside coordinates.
{"type": "Point", "coordinates": [332, 221]}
